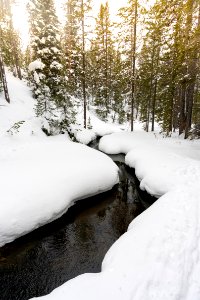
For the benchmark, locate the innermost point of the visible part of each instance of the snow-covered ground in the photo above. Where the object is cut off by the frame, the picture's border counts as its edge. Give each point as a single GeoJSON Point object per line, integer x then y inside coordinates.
{"type": "Point", "coordinates": [159, 256]}
{"type": "Point", "coordinates": [21, 109]}
{"type": "Point", "coordinates": [40, 176]}
{"type": "Point", "coordinates": [98, 127]}
{"type": "Point", "coordinates": [161, 164]}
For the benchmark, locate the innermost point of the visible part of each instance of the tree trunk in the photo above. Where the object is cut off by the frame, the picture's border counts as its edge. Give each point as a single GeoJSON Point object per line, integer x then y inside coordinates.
{"type": "Point", "coordinates": [182, 118]}
{"type": "Point", "coordinates": [191, 87]}
{"type": "Point", "coordinates": [13, 43]}
{"type": "Point", "coordinates": [184, 103]}
{"type": "Point", "coordinates": [133, 82]}
{"type": "Point", "coordinates": [154, 103]}
{"type": "Point", "coordinates": [84, 66]}
{"type": "Point", "coordinates": [106, 44]}
{"type": "Point", "coordinates": [3, 78]}
{"type": "Point", "coordinates": [150, 94]}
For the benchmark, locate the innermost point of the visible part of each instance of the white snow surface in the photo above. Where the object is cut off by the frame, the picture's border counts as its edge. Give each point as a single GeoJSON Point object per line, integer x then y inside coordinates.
{"type": "Point", "coordinates": [102, 128]}
{"type": "Point", "coordinates": [159, 256]}
{"type": "Point", "coordinates": [84, 136]}
{"type": "Point", "coordinates": [98, 127]}
{"type": "Point", "coordinates": [161, 164]}
{"type": "Point", "coordinates": [20, 109]}
{"type": "Point", "coordinates": [36, 65]}
{"type": "Point", "coordinates": [40, 177]}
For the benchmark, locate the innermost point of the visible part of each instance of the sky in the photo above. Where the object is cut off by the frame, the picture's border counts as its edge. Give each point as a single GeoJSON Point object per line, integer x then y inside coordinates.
{"type": "Point", "coordinates": [20, 16]}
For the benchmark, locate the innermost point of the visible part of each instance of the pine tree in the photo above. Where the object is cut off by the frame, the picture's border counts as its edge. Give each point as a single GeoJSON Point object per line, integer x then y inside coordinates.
{"type": "Point", "coordinates": [149, 61]}
{"type": "Point", "coordinates": [192, 68]}
{"type": "Point", "coordinates": [71, 46]}
{"type": "Point", "coordinates": [3, 82]}
{"type": "Point", "coordinates": [118, 101]}
{"type": "Point", "coordinates": [10, 41]}
{"type": "Point", "coordinates": [103, 53]}
{"type": "Point", "coordinates": [129, 16]}
{"type": "Point", "coordinates": [168, 65]}
{"type": "Point", "coordinates": [75, 49]}
{"type": "Point", "coordinates": [48, 75]}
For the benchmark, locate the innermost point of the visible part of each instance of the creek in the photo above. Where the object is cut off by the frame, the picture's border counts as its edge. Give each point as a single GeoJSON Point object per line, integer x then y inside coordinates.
{"type": "Point", "coordinates": [44, 259]}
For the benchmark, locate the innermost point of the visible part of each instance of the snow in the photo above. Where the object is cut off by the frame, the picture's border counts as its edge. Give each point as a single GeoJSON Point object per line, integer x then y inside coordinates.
{"type": "Point", "coordinates": [56, 65]}
{"type": "Point", "coordinates": [20, 109]}
{"type": "Point", "coordinates": [40, 176]}
{"type": "Point", "coordinates": [102, 128]}
{"type": "Point", "coordinates": [82, 135]}
{"type": "Point", "coordinates": [36, 77]}
{"type": "Point", "coordinates": [98, 127]}
{"type": "Point", "coordinates": [161, 164]}
{"type": "Point", "coordinates": [36, 65]}
{"type": "Point", "coordinates": [158, 257]}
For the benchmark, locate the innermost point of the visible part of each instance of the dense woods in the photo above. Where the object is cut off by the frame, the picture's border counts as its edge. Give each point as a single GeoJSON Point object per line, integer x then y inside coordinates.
{"type": "Point", "coordinates": [144, 67]}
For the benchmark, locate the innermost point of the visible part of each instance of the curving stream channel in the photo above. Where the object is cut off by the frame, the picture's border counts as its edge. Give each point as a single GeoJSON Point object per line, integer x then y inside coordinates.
{"type": "Point", "coordinates": [39, 262]}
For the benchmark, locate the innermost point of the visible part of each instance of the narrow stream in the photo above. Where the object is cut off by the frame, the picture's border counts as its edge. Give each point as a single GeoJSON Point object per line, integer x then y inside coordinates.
{"type": "Point", "coordinates": [39, 262]}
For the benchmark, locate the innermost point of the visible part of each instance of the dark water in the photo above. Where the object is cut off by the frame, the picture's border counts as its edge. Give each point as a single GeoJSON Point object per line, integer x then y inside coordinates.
{"type": "Point", "coordinates": [76, 243]}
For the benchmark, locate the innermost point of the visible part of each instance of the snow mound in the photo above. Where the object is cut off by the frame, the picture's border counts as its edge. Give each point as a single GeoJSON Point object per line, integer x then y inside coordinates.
{"type": "Point", "coordinates": [97, 127]}
{"type": "Point", "coordinates": [102, 128]}
{"type": "Point", "coordinates": [161, 164]}
{"type": "Point", "coordinates": [36, 65]}
{"type": "Point", "coordinates": [85, 136]}
{"type": "Point", "coordinates": [41, 178]}
{"type": "Point", "coordinates": [82, 135]}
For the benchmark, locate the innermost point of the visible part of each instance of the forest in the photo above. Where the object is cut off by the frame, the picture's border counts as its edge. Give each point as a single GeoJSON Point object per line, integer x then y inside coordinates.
{"type": "Point", "coordinates": [99, 149]}
{"type": "Point", "coordinates": [145, 66]}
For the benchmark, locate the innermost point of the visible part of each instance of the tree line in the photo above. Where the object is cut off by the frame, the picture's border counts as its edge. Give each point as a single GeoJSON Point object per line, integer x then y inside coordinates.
{"type": "Point", "coordinates": [144, 67]}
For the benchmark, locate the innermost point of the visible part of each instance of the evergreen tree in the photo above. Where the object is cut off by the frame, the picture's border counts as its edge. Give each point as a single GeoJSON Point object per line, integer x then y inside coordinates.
{"type": "Point", "coordinates": [192, 62]}
{"type": "Point", "coordinates": [48, 74]}
{"type": "Point", "coordinates": [168, 64]}
{"type": "Point", "coordinates": [10, 41]}
{"type": "Point", "coordinates": [103, 53]}
{"type": "Point", "coordinates": [71, 45]}
{"type": "Point", "coordinates": [75, 49]}
{"type": "Point", "coordinates": [148, 73]}
{"type": "Point", "coordinates": [179, 60]}
{"type": "Point", "coordinates": [129, 16]}
{"type": "Point", "coordinates": [118, 101]}
{"type": "Point", "coordinates": [3, 82]}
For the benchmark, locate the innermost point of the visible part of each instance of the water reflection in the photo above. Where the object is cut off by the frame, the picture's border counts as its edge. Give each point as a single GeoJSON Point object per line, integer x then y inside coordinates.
{"type": "Point", "coordinates": [36, 264]}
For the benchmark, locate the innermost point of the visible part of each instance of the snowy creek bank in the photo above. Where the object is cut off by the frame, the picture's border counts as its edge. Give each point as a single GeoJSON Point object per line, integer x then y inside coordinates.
{"type": "Point", "coordinates": [40, 178]}
{"type": "Point", "coordinates": [37, 263]}
{"type": "Point", "coordinates": [158, 257]}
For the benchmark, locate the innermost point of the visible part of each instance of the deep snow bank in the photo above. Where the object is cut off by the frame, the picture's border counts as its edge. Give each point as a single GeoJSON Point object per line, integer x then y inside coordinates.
{"type": "Point", "coordinates": [41, 178]}
{"type": "Point", "coordinates": [161, 164]}
{"type": "Point", "coordinates": [97, 127]}
{"type": "Point", "coordinates": [158, 257]}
